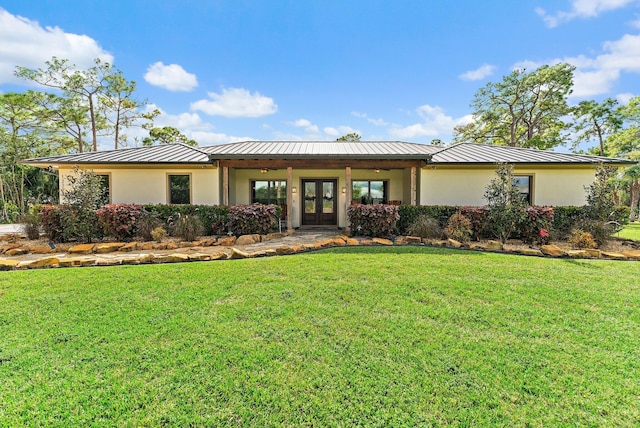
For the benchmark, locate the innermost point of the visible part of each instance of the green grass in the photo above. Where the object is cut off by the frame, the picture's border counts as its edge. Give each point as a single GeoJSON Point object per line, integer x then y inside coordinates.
{"type": "Point", "coordinates": [357, 336]}
{"type": "Point", "coordinates": [630, 231]}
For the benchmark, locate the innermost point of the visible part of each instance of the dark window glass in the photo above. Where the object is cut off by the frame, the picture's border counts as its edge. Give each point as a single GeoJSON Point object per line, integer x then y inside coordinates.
{"type": "Point", "coordinates": [269, 192]}
{"type": "Point", "coordinates": [523, 184]}
{"type": "Point", "coordinates": [369, 192]}
{"type": "Point", "coordinates": [180, 189]}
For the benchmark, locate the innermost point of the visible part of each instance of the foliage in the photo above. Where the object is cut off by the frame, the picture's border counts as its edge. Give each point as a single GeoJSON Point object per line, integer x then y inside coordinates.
{"type": "Point", "coordinates": [524, 110]}
{"type": "Point", "coordinates": [30, 224]}
{"type": "Point", "coordinates": [119, 220]}
{"type": "Point", "coordinates": [581, 239]}
{"type": "Point", "coordinates": [360, 336]}
{"type": "Point", "coordinates": [459, 228]}
{"type": "Point", "coordinates": [425, 227]}
{"type": "Point", "coordinates": [51, 220]}
{"type": "Point", "coordinates": [565, 219]}
{"type": "Point", "coordinates": [601, 231]}
{"type": "Point", "coordinates": [376, 220]}
{"type": "Point", "coordinates": [536, 219]}
{"type": "Point", "coordinates": [254, 218]}
{"type": "Point", "coordinates": [596, 120]}
{"type": "Point", "coordinates": [213, 217]}
{"type": "Point", "coordinates": [158, 234]}
{"type": "Point", "coordinates": [506, 209]}
{"type": "Point", "coordinates": [354, 136]}
{"type": "Point", "coordinates": [167, 135]}
{"type": "Point", "coordinates": [409, 214]}
{"type": "Point", "coordinates": [145, 225]}
{"type": "Point", "coordinates": [187, 227]}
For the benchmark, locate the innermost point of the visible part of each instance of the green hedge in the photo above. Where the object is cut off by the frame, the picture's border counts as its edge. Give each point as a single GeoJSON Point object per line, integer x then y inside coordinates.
{"type": "Point", "coordinates": [213, 217]}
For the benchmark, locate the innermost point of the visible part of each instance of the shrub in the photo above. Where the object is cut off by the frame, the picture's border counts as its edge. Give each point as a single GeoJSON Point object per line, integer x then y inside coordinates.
{"type": "Point", "coordinates": [479, 223]}
{"type": "Point", "coordinates": [581, 239]}
{"type": "Point", "coordinates": [158, 234]}
{"type": "Point", "coordinates": [373, 220]}
{"type": "Point", "coordinates": [506, 207]}
{"type": "Point", "coordinates": [425, 227]}
{"type": "Point", "coordinates": [188, 227]}
{"type": "Point", "coordinates": [82, 196]}
{"type": "Point", "coordinates": [254, 218]}
{"type": "Point", "coordinates": [565, 219]}
{"type": "Point", "coordinates": [601, 231]}
{"type": "Point", "coordinates": [410, 213]}
{"type": "Point", "coordinates": [119, 220]}
{"type": "Point", "coordinates": [147, 222]}
{"type": "Point", "coordinates": [51, 221]}
{"type": "Point", "coordinates": [458, 228]}
{"type": "Point", "coordinates": [78, 224]}
{"type": "Point", "coordinates": [30, 224]}
{"type": "Point", "coordinates": [536, 219]}
{"type": "Point", "coordinates": [213, 217]}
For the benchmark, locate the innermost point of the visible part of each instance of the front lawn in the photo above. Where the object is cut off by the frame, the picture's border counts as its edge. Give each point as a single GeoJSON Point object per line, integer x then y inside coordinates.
{"type": "Point", "coordinates": [630, 231]}
{"type": "Point", "coordinates": [373, 336]}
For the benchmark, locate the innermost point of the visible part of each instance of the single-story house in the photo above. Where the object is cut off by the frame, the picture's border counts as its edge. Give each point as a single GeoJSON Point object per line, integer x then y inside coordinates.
{"type": "Point", "coordinates": [315, 181]}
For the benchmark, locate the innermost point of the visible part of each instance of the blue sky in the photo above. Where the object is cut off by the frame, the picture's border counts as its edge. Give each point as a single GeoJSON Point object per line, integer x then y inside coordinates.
{"type": "Point", "coordinates": [224, 71]}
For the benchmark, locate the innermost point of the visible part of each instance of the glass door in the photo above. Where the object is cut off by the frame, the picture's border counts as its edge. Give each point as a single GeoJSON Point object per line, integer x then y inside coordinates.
{"type": "Point", "coordinates": [320, 202]}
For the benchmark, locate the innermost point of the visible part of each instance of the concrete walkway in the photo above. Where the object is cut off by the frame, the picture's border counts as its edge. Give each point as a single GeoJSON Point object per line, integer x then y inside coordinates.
{"type": "Point", "coordinates": [7, 229]}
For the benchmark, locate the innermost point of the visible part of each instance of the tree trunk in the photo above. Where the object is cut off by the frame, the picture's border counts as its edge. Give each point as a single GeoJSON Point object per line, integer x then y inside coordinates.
{"type": "Point", "coordinates": [94, 132]}
{"type": "Point", "coordinates": [634, 190]}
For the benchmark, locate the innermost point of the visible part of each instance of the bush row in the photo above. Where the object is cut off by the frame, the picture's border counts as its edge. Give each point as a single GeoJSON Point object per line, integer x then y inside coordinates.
{"type": "Point", "coordinates": [63, 223]}
{"type": "Point", "coordinates": [373, 220]}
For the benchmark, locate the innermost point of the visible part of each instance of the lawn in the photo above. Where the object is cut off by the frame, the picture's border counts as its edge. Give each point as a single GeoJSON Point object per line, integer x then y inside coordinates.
{"type": "Point", "coordinates": [375, 336]}
{"type": "Point", "coordinates": [630, 231]}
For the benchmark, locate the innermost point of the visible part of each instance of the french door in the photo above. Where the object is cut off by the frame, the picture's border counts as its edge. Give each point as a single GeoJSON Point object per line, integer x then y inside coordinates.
{"type": "Point", "coordinates": [319, 202]}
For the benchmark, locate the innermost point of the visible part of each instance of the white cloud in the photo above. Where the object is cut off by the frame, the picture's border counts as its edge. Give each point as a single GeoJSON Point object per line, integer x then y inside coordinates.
{"type": "Point", "coordinates": [213, 138]}
{"type": "Point", "coordinates": [172, 77]}
{"type": "Point", "coordinates": [597, 75]}
{"type": "Point", "coordinates": [26, 43]}
{"type": "Point", "coordinates": [376, 122]}
{"type": "Point", "coordinates": [434, 123]}
{"type": "Point", "coordinates": [340, 131]}
{"type": "Point", "coordinates": [307, 125]}
{"type": "Point", "coordinates": [480, 73]}
{"type": "Point", "coordinates": [624, 98]}
{"type": "Point", "coordinates": [581, 9]}
{"type": "Point", "coordinates": [236, 102]}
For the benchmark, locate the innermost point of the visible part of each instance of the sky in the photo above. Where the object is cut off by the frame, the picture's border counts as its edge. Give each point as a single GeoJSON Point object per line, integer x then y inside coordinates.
{"type": "Point", "coordinates": [233, 70]}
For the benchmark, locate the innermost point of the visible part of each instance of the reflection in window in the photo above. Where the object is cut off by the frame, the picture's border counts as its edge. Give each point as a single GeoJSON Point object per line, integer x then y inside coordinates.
{"type": "Point", "coordinates": [369, 192]}
{"type": "Point", "coordinates": [180, 189]}
{"type": "Point", "coordinates": [523, 184]}
{"type": "Point", "coordinates": [269, 192]}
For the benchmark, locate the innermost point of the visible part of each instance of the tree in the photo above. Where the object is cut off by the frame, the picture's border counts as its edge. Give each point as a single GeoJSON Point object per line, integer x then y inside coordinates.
{"type": "Point", "coordinates": [354, 136]}
{"type": "Point", "coordinates": [596, 120]}
{"type": "Point", "coordinates": [506, 207]}
{"type": "Point", "coordinates": [524, 110]}
{"type": "Point", "coordinates": [167, 135]}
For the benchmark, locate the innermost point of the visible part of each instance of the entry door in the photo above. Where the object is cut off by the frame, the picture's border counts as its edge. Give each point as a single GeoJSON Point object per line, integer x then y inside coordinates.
{"type": "Point", "coordinates": [320, 202]}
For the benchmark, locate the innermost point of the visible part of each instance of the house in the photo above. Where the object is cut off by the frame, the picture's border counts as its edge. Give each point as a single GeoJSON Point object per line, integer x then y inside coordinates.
{"type": "Point", "coordinates": [315, 181]}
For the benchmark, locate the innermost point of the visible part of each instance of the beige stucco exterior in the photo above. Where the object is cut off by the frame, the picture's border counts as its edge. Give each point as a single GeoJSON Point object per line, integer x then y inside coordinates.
{"type": "Point", "coordinates": [149, 185]}
{"type": "Point", "coordinates": [464, 185]}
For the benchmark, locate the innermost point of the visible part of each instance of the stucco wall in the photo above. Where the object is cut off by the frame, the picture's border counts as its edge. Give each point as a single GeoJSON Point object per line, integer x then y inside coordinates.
{"type": "Point", "coordinates": [466, 186]}
{"type": "Point", "coordinates": [149, 186]}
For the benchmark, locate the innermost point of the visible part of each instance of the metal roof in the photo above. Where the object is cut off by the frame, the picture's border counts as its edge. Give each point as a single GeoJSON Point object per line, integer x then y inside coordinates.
{"type": "Point", "coordinates": [469, 153]}
{"type": "Point", "coordinates": [317, 149]}
{"type": "Point", "coordinates": [164, 153]}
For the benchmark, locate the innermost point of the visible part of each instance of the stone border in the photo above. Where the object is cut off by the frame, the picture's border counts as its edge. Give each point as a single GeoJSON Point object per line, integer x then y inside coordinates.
{"type": "Point", "coordinates": [225, 248]}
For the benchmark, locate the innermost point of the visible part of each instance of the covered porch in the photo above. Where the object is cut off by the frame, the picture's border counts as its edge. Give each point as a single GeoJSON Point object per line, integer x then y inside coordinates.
{"type": "Point", "coordinates": [317, 192]}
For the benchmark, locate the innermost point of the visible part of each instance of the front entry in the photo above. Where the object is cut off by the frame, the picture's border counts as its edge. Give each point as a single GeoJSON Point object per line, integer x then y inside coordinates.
{"type": "Point", "coordinates": [320, 202]}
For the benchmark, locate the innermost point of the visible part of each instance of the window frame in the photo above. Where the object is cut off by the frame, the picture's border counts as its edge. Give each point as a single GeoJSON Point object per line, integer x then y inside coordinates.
{"type": "Point", "coordinates": [529, 196]}
{"type": "Point", "coordinates": [385, 189]}
{"type": "Point", "coordinates": [252, 191]}
{"type": "Point", "coordinates": [190, 183]}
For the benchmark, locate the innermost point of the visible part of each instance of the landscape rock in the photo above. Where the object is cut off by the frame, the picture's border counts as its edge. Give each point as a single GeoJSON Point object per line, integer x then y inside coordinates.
{"type": "Point", "coordinates": [552, 251]}
{"type": "Point", "coordinates": [530, 252]}
{"type": "Point", "coordinates": [10, 246]}
{"type": "Point", "coordinates": [352, 242]}
{"type": "Point", "coordinates": [8, 264]}
{"type": "Point", "coordinates": [129, 246]}
{"type": "Point", "coordinates": [45, 262]}
{"type": "Point", "coordinates": [400, 240]}
{"type": "Point", "coordinates": [82, 249]}
{"type": "Point", "coordinates": [206, 242]}
{"type": "Point", "coordinates": [339, 242]}
{"type": "Point", "coordinates": [453, 243]}
{"type": "Point", "coordinates": [199, 257]}
{"type": "Point", "coordinates": [226, 241]}
{"type": "Point", "coordinates": [159, 246]}
{"type": "Point", "coordinates": [632, 255]}
{"type": "Point", "coordinates": [414, 240]}
{"type": "Point", "coordinates": [613, 255]}
{"type": "Point", "coordinates": [108, 247]}
{"type": "Point", "coordinates": [145, 246]}
{"type": "Point", "coordinates": [593, 253]}
{"type": "Point", "coordinates": [237, 254]}
{"type": "Point", "coordinates": [382, 241]}
{"type": "Point", "coordinates": [40, 249]}
{"type": "Point", "coordinates": [272, 236]}
{"type": "Point", "coordinates": [16, 252]}
{"type": "Point", "coordinates": [76, 261]}
{"type": "Point", "coordinates": [171, 246]}
{"type": "Point", "coordinates": [578, 254]}
{"type": "Point", "coordinates": [494, 246]}
{"type": "Point", "coordinates": [284, 250]}
{"type": "Point", "coordinates": [217, 256]}
{"type": "Point", "coordinates": [248, 239]}
{"type": "Point", "coordinates": [169, 258]}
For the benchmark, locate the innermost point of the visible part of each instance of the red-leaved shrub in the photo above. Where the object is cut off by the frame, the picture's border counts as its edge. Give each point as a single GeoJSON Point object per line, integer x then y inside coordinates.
{"type": "Point", "coordinates": [376, 220]}
{"type": "Point", "coordinates": [119, 220]}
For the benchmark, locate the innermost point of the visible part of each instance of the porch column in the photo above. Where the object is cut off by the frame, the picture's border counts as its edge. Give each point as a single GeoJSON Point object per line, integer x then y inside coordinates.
{"type": "Point", "coordinates": [414, 187]}
{"type": "Point", "coordinates": [225, 185]}
{"type": "Point", "coordinates": [290, 198]}
{"type": "Point", "coordinates": [347, 196]}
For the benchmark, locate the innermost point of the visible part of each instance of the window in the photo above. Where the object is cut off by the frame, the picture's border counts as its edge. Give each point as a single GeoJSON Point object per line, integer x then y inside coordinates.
{"type": "Point", "coordinates": [179, 189]}
{"type": "Point", "coordinates": [269, 192]}
{"type": "Point", "coordinates": [369, 192]}
{"type": "Point", "coordinates": [105, 184]}
{"type": "Point", "coordinates": [523, 184]}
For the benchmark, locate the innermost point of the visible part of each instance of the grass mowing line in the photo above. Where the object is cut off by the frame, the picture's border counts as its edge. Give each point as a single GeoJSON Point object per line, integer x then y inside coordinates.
{"type": "Point", "coordinates": [351, 336]}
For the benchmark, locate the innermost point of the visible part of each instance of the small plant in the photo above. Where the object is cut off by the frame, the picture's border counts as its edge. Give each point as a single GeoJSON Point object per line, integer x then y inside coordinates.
{"type": "Point", "coordinates": [581, 239]}
{"type": "Point", "coordinates": [158, 234]}
{"type": "Point", "coordinates": [146, 224]}
{"type": "Point", "coordinates": [30, 224]}
{"type": "Point", "coordinates": [601, 231]}
{"type": "Point", "coordinates": [458, 228]}
{"type": "Point", "coordinates": [188, 227]}
{"type": "Point", "coordinates": [425, 227]}
{"type": "Point", "coordinates": [506, 207]}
